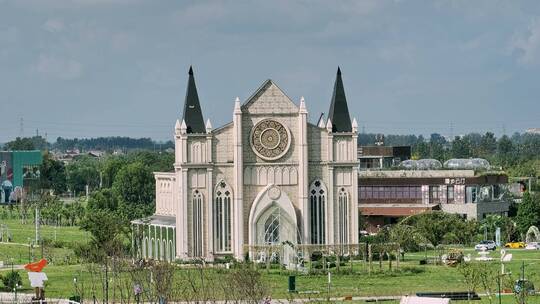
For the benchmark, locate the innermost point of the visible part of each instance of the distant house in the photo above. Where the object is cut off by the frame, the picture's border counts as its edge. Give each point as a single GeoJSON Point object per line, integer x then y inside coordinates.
{"type": "Point", "coordinates": [19, 171]}
{"type": "Point", "coordinates": [384, 197]}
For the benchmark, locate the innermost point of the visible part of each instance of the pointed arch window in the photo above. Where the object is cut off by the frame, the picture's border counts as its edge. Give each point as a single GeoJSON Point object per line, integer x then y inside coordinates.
{"type": "Point", "coordinates": [222, 217]}
{"type": "Point", "coordinates": [271, 228]}
{"type": "Point", "coordinates": [343, 216]}
{"type": "Point", "coordinates": [197, 223]}
{"type": "Point", "coordinates": [317, 212]}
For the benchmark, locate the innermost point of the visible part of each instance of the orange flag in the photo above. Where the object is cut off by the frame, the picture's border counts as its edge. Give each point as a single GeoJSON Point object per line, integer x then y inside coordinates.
{"type": "Point", "coordinates": [37, 266]}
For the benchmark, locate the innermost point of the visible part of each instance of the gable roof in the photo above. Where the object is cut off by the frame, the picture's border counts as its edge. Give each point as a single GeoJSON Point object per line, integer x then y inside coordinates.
{"type": "Point", "coordinates": [269, 92]}
{"type": "Point", "coordinates": [192, 114]}
{"type": "Point", "coordinates": [339, 111]}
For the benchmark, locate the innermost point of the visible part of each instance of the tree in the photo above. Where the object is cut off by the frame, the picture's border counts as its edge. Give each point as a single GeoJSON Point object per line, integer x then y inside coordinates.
{"type": "Point", "coordinates": [460, 148]}
{"type": "Point", "coordinates": [110, 167]}
{"type": "Point", "coordinates": [439, 227]}
{"type": "Point", "coordinates": [505, 146]}
{"type": "Point", "coordinates": [488, 145]}
{"type": "Point", "coordinates": [408, 237]}
{"type": "Point", "coordinates": [134, 186]}
{"type": "Point", "coordinates": [104, 199]}
{"type": "Point", "coordinates": [490, 224]}
{"type": "Point", "coordinates": [528, 212]}
{"type": "Point", "coordinates": [83, 171]}
{"type": "Point", "coordinates": [21, 144]}
{"type": "Point", "coordinates": [421, 150]}
{"type": "Point", "coordinates": [107, 229]}
{"type": "Point", "coordinates": [53, 175]}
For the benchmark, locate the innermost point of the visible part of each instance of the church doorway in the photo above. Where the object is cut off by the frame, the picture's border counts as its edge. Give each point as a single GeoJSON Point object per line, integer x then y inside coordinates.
{"type": "Point", "coordinates": [273, 227]}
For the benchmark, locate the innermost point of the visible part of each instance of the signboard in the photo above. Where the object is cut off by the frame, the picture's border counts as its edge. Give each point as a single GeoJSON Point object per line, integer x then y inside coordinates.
{"type": "Point", "coordinates": [37, 279]}
{"type": "Point", "coordinates": [455, 181]}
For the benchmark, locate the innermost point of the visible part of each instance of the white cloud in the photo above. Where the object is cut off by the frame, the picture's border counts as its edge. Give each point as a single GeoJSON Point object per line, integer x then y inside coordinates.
{"type": "Point", "coordinates": [54, 25]}
{"type": "Point", "coordinates": [528, 45]}
{"type": "Point", "coordinates": [61, 68]}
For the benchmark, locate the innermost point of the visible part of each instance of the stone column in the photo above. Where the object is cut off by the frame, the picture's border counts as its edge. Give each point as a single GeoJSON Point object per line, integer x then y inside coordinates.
{"type": "Point", "coordinates": [184, 213]}
{"type": "Point", "coordinates": [210, 215]}
{"type": "Point", "coordinates": [354, 195]}
{"type": "Point", "coordinates": [330, 195]}
{"type": "Point", "coordinates": [303, 180]}
{"type": "Point", "coordinates": [180, 190]}
{"type": "Point", "coordinates": [238, 218]}
{"type": "Point", "coordinates": [210, 195]}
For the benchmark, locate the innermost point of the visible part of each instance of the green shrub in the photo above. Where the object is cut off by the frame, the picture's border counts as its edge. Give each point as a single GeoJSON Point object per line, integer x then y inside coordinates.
{"type": "Point", "coordinates": [11, 279]}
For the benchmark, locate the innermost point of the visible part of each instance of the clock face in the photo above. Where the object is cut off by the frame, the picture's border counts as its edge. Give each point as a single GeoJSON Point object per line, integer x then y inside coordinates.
{"type": "Point", "coordinates": [270, 139]}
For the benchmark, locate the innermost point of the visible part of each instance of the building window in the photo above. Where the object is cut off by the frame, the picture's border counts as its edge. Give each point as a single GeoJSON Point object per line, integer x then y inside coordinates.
{"type": "Point", "coordinates": [470, 193]}
{"type": "Point", "coordinates": [343, 216]}
{"type": "Point", "coordinates": [271, 228]}
{"type": "Point", "coordinates": [197, 223]}
{"type": "Point", "coordinates": [392, 192]}
{"type": "Point", "coordinates": [434, 194]}
{"type": "Point", "coordinates": [496, 192]}
{"type": "Point", "coordinates": [450, 194]}
{"type": "Point", "coordinates": [222, 217]}
{"type": "Point", "coordinates": [317, 212]}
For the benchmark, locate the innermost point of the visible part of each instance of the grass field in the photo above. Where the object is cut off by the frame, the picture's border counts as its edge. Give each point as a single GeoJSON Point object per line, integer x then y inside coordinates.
{"type": "Point", "coordinates": [21, 233]}
{"type": "Point", "coordinates": [411, 278]}
{"type": "Point", "coordinates": [19, 248]}
{"type": "Point", "coordinates": [408, 279]}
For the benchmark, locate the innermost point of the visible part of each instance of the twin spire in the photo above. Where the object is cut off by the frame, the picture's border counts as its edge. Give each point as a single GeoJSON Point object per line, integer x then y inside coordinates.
{"type": "Point", "coordinates": [192, 115]}
{"type": "Point", "coordinates": [338, 115]}
{"type": "Point", "coordinates": [339, 111]}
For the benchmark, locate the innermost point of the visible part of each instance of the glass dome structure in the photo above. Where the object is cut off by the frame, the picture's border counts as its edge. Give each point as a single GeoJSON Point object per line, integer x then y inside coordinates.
{"type": "Point", "coordinates": [467, 163]}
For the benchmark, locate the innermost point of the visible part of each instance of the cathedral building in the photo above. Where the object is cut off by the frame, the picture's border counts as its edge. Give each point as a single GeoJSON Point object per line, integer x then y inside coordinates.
{"type": "Point", "coordinates": [267, 177]}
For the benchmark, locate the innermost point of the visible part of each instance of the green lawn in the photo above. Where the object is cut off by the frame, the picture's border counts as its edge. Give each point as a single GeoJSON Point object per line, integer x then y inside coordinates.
{"type": "Point", "coordinates": [21, 233]}
{"type": "Point", "coordinates": [411, 278]}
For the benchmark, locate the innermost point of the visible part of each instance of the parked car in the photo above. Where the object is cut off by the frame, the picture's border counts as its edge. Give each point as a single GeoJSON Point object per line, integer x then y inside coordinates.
{"type": "Point", "coordinates": [533, 246]}
{"type": "Point", "coordinates": [485, 245]}
{"type": "Point", "coordinates": [515, 245]}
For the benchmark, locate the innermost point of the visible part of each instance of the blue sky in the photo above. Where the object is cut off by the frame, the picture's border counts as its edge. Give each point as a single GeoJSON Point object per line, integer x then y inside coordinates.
{"type": "Point", "coordinates": [84, 68]}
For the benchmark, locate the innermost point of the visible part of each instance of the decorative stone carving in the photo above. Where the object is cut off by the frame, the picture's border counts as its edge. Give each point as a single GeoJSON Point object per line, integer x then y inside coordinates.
{"type": "Point", "coordinates": [263, 175]}
{"type": "Point", "coordinates": [270, 139]}
{"type": "Point", "coordinates": [274, 193]}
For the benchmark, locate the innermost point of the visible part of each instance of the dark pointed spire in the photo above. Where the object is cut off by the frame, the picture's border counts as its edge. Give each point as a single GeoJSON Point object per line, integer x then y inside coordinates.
{"type": "Point", "coordinates": [192, 108]}
{"type": "Point", "coordinates": [339, 111]}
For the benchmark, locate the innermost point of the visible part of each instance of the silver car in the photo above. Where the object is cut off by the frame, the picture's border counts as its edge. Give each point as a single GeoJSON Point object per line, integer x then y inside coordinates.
{"type": "Point", "coordinates": [485, 245]}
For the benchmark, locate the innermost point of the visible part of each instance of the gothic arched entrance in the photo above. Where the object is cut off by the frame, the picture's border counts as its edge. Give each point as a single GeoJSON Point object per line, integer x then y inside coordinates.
{"type": "Point", "coordinates": [272, 221]}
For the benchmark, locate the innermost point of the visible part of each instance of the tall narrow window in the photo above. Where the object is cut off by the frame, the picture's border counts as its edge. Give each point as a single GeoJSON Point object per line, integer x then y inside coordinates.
{"type": "Point", "coordinates": [450, 194]}
{"type": "Point", "coordinates": [433, 194]}
{"type": "Point", "coordinates": [222, 217]}
{"type": "Point", "coordinates": [317, 212]}
{"type": "Point", "coordinates": [197, 224]}
{"type": "Point", "coordinates": [271, 228]}
{"type": "Point", "coordinates": [343, 216]}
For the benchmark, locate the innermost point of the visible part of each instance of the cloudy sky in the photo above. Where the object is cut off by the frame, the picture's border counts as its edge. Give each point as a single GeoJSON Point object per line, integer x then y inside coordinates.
{"type": "Point", "coordinates": [81, 68]}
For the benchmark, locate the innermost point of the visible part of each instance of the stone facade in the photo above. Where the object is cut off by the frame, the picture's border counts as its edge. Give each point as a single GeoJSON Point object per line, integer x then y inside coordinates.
{"type": "Point", "coordinates": [225, 194]}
